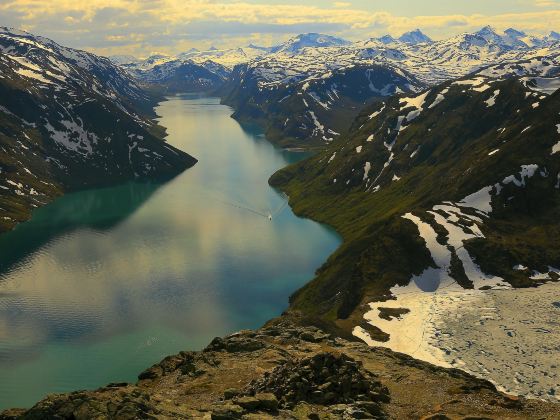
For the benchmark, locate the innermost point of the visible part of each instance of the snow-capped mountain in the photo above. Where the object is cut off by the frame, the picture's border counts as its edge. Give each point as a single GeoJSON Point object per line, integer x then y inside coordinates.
{"type": "Point", "coordinates": [261, 76]}
{"type": "Point", "coordinates": [312, 110]}
{"type": "Point", "coordinates": [311, 40]}
{"type": "Point", "coordinates": [386, 39]}
{"type": "Point", "coordinates": [124, 59]}
{"type": "Point", "coordinates": [415, 37]}
{"type": "Point", "coordinates": [553, 36]}
{"type": "Point", "coordinates": [227, 58]}
{"type": "Point", "coordinates": [193, 70]}
{"type": "Point", "coordinates": [281, 75]}
{"type": "Point", "coordinates": [160, 68]}
{"type": "Point", "coordinates": [178, 75]}
{"type": "Point", "coordinates": [69, 120]}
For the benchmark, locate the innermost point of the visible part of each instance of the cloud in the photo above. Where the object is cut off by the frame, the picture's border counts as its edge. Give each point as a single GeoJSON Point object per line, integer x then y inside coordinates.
{"type": "Point", "coordinates": [546, 3]}
{"type": "Point", "coordinates": [142, 26]}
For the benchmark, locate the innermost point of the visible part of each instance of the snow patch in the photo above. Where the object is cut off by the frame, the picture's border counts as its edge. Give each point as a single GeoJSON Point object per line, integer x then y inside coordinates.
{"type": "Point", "coordinates": [492, 100]}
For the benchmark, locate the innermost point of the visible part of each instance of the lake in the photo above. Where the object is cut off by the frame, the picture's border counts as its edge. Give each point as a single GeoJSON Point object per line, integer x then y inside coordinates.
{"type": "Point", "coordinates": [101, 284]}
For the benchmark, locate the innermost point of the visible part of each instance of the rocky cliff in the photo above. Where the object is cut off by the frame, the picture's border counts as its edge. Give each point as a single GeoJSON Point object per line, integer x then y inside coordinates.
{"type": "Point", "coordinates": [287, 372]}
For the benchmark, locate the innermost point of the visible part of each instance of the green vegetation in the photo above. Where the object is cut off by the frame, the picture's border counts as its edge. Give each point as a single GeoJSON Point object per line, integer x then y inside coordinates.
{"type": "Point", "coordinates": [442, 155]}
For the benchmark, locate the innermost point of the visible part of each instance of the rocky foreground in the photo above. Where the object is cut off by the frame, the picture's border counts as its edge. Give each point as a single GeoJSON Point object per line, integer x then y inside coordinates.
{"type": "Point", "coordinates": [287, 372]}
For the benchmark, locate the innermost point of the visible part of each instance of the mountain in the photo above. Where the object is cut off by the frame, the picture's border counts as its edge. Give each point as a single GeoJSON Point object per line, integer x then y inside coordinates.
{"type": "Point", "coordinates": [191, 71]}
{"type": "Point", "coordinates": [124, 59]}
{"type": "Point", "coordinates": [459, 184]}
{"type": "Point", "coordinates": [553, 36]}
{"type": "Point", "coordinates": [71, 120]}
{"type": "Point", "coordinates": [310, 40]}
{"type": "Point", "coordinates": [178, 76]}
{"type": "Point", "coordinates": [510, 38]}
{"type": "Point", "coordinates": [266, 88]}
{"type": "Point", "coordinates": [386, 39]}
{"type": "Point", "coordinates": [315, 109]}
{"type": "Point", "coordinates": [265, 84]}
{"type": "Point", "coordinates": [225, 57]}
{"type": "Point", "coordinates": [514, 36]}
{"type": "Point", "coordinates": [415, 37]}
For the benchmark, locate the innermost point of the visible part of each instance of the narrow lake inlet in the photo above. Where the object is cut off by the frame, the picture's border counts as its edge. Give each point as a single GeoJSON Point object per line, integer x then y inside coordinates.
{"type": "Point", "coordinates": [101, 284]}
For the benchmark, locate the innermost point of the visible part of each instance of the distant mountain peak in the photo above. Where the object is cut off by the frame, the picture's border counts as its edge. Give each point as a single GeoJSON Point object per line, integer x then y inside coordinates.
{"type": "Point", "coordinates": [386, 39]}
{"type": "Point", "coordinates": [486, 30]}
{"type": "Point", "coordinates": [415, 37]}
{"type": "Point", "coordinates": [515, 33]}
{"type": "Point", "coordinates": [311, 39]}
{"type": "Point", "coordinates": [321, 38]}
{"type": "Point", "coordinates": [554, 35]}
{"type": "Point", "coordinates": [157, 57]}
{"type": "Point", "coordinates": [256, 47]}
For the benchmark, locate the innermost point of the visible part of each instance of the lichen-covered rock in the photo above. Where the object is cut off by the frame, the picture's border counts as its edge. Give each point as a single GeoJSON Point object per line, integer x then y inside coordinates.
{"type": "Point", "coordinates": [183, 362]}
{"type": "Point", "coordinates": [227, 412]}
{"type": "Point", "coordinates": [234, 344]}
{"type": "Point", "coordinates": [107, 403]}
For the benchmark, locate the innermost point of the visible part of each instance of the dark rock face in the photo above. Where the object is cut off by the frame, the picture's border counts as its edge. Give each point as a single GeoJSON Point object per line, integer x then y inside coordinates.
{"type": "Point", "coordinates": [110, 402]}
{"type": "Point", "coordinates": [183, 362]}
{"type": "Point", "coordinates": [323, 379]}
{"type": "Point", "coordinates": [234, 344]}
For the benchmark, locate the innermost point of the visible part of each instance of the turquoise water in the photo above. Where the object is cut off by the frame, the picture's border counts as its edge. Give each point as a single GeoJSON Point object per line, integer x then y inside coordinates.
{"type": "Point", "coordinates": [101, 284]}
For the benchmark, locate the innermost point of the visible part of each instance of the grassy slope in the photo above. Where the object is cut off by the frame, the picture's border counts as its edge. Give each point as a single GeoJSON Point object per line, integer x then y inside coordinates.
{"type": "Point", "coordinates": [380, 248]}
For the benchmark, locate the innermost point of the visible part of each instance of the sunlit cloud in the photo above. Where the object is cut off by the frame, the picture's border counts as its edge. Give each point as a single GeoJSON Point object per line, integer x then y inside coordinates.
{"type": "Point", "coordinates": [144, 26]}
{"type": "Point", "coordinates": [546, 3]}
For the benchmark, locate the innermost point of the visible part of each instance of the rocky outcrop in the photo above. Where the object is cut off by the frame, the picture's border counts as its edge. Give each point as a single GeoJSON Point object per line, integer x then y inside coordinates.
{"type": "Point", "coordinates": [325, 379]}
{"type": "Point", "coordinates": [284, 371]}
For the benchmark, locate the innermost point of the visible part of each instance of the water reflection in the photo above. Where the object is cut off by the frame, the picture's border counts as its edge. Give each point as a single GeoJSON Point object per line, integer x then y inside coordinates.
{"type": "Point", "coordinates": [101, 284]}
{"type": "Point", "coordinates": [98, 210]}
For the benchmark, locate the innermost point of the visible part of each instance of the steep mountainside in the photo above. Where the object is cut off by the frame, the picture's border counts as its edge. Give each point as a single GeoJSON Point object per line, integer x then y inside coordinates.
{"type": "Point", "coordinates": [316, 109]}
{"type": "Point", "coordinates": [191, 71]}
{"type": "Point", "coordinates": [287, 372]}
{"type": "Point", "coordinates": [457, 185]}
{"type": "Point", "coordinates": [70, 120]}
{"type": "Point", "coordinates": [178, 76]}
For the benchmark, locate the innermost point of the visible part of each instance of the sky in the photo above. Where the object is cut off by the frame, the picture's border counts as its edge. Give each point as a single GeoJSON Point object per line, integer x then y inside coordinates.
{"type": "Point", "coordinates": [144, 27]}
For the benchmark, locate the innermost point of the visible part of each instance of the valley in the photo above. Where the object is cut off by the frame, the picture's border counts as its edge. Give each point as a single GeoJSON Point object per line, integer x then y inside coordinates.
{"type": "Point", "coordinates": [437, 163]}
{"type": "Point", "coordinates": [102, 283]}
